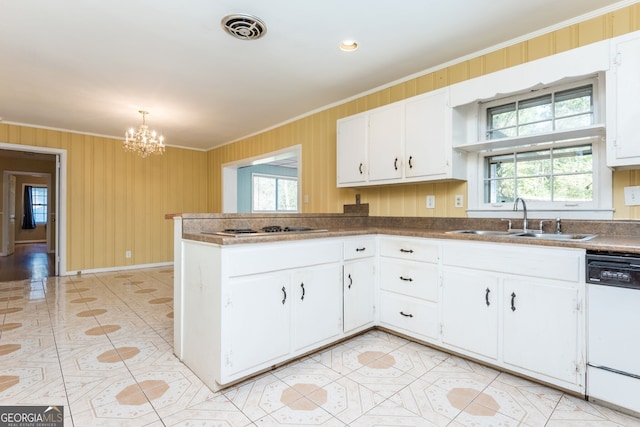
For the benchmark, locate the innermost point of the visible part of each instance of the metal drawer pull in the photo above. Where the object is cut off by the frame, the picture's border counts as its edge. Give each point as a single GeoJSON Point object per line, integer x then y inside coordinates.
{"type": "Point", "coordinates": [395, 164]}
{"type": "Point", "coordinates": [410, 163]}
{"type": "Point", "coordinates": [406, 315]}
{"type": "Point", "coordinates": [302, 286]}
{"type": "Point", "coordinates": [486, 297]}
{"type": "Point", "coordinates": [361, 249]}
{"type": "Point", "coordinates": [406, 251]}
{"type": "Point", "coordinates": [350, 281]}
{"type": "Point", "coordinates": [360, 168]}
{"type": "Point", "coordinates": [406, 279]}
{"type": "Point", "coordinates": [513, 300]}
{"type": "Point", "coordinates": [284, 291]}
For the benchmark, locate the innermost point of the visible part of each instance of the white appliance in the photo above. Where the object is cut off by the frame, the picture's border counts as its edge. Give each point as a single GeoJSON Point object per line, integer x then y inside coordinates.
{"type": "Point", "coordinates": [613, 346]}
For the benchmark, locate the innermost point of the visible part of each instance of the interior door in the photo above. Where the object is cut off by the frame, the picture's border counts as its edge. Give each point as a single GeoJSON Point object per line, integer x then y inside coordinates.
{"type": "Point", "coordinates": [11, 235]}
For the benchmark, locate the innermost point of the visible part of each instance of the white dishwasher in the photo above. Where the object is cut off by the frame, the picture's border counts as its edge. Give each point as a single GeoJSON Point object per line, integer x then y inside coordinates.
{"type": "Point", "coordinates": [613, 322]}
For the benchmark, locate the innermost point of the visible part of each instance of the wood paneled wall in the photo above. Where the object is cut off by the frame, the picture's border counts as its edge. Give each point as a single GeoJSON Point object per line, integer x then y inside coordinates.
{"type": "Point", "coordinates": [317, 133]}
{"type": "Point", "coordinates": [116, 201]}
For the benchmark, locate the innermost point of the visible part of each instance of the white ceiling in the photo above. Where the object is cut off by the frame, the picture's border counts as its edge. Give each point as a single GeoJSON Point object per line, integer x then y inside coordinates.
{"type": "Point", "coordinates": [90, 65]}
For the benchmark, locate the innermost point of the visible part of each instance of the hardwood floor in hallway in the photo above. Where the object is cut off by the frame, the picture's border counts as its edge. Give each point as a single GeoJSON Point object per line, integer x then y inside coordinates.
{"type": "Point", "coordinates": [29, 261]}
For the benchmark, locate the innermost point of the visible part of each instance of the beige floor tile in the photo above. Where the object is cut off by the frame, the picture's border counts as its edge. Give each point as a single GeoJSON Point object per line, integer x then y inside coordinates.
{"type": "Point", "coordinates": [572, 411]}
{"type": "Point", "coordinates": [259, 397]}
{"type": "Point", "coordinates": [390, 414]}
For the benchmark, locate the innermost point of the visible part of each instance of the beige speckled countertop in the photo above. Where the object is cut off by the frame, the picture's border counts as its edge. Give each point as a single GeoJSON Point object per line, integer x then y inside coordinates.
{"type": "Point", "coordinates": [616, 235]}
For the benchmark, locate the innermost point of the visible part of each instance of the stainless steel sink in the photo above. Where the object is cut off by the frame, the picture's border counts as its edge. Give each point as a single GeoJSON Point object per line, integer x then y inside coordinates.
{"type": "Point", "coordinates": [529, 234]}
{"type": "Point", "coordinates": [556, 236]}
{"type": "Point", "coordinates": [484, 232]}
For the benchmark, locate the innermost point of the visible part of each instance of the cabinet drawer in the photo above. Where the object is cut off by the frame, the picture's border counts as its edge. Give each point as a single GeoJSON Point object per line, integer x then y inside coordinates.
{"type": "Point", "coordinates": [413, 249]}
{"type": "Point", "coordinates": [409, 315]}
{"type": "Point", "coordinates": [410, 278]}
{"type": "Point", "coordinates": [359, 248]}
{"type": "Point", "coordinates": [262, 258]}
{"type": "Point", "coordinates": [522, 260]}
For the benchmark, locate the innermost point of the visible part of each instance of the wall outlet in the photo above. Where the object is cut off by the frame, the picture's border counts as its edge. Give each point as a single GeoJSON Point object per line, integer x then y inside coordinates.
{"type": "Point", "coordinates": [632, 196]}
{"type": "Point", "coordinates": [127, 254]}
{"type": "Point", "coordinates": [431, 202]}
{"type": "Point", "coordinates": [459, 201]}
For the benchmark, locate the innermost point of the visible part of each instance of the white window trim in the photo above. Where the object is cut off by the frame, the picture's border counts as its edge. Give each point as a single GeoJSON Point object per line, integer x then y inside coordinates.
{"type": "Point", "coordinates": [602, 205]}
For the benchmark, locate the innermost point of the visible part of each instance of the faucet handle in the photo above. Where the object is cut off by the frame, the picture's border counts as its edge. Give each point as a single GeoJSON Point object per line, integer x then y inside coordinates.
{"type": "Point", "coordinates": [558, 225]}
{"type": "Point", "coordinates": [542, 221]}
{"type": "Point", "coordinates": [506, 219]}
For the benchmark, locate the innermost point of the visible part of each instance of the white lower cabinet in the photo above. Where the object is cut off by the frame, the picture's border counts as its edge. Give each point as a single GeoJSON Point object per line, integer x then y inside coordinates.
{"type": "Point", "coordinates": [541, 328]}
{"type": "Point", "coordinates": [518, 307]}
{"type": "Point", "coordinates": [410, 286]}
{"type": "Point", "coordinates": [256, 322]}
{"type": "Point", "coordinates": [248, 307]}
{"type": "Point", "coordinates": [316, 297]}
{"type": "Point", "coordinates": [470, 307]}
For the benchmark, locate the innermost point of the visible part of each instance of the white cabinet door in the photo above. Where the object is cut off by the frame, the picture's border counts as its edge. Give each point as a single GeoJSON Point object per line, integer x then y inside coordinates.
{"type": "Point", "coordinates": [385, 143]}
{"type": "Point", "coordinates": [470, 311]}
{"type": "Point", "coordinates": [359, 294]}
{"type": "Point", "coordinates": [426, 136]}
{"type": "Point", "coordinates": [623, 110]}
{"type": "Point", "coordinates": [540, 326]}
{"type": "Point", "coordinates": [317, 293]}
{"type": "Point", "coordinates": [256, 321]}
{"type": "Point", "coordinates": [352, 150]}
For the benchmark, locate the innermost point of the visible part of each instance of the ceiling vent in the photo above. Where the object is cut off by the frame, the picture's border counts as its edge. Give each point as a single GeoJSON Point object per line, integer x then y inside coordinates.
{"type": "Point", "coordinates": [244, 27]}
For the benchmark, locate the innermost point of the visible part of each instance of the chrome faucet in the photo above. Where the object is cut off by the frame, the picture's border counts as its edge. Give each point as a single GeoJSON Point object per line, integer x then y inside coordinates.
{"type": "Point", "coordinates": [524, 210]}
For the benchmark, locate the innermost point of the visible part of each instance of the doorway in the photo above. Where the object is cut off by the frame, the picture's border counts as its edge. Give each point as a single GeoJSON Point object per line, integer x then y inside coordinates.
{"type": "Point", "coordinates": [38, 252]}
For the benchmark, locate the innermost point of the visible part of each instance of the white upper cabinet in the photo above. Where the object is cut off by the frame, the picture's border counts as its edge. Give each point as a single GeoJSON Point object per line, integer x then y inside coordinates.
{"type": "Point", "coordinates": [407, 141]}
{"type": "Point", "coordinates": [385, 142]}
{"type": "Point", "coordinates": [352, 150]}
{"type": "Point", "coordinates": [623, 102]}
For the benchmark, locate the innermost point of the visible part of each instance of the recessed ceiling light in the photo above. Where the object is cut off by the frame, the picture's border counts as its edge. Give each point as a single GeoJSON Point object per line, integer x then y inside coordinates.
{"type": "Point", "coordinates": [348, 45]}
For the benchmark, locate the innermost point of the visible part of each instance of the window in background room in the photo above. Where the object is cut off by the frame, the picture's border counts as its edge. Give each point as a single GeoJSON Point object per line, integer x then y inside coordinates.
{"type": "Point", "coordinates": [39, 203]}
{"type": "Point", "coordinates": [272, 193]}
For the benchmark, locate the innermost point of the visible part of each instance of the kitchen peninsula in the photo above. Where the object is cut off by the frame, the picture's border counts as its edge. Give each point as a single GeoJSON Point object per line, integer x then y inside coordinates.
{"type": "Point", "coordinates": [246, 304]}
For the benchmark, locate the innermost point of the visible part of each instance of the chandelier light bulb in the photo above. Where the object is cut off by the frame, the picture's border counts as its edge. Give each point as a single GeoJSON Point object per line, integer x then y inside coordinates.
{"type": "Point", "coordinates": [143, 142]}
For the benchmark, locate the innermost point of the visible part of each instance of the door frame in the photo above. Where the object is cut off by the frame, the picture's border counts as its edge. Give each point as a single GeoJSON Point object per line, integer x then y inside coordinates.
{"type": "Point", "coordinates": [60, 201]}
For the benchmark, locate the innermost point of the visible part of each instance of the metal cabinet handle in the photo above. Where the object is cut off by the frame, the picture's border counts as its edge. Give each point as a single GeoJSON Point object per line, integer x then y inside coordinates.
{"type": "Point", "coordinates": [406, 279]}
{"type": "Point", "coordinates": [513, 300]}
{"type": "Point", "coordinates": [361, 249]}
{"type": "Point", "coordinates": [284, 292]}
{"type": "Point", "coordinates": [405, 314]}
{"type": "Point", "coordinates": [395, 164]}
{"type": "Point", "coordinates": [350, 281]}
{"type": "Point", "coordinates": [406, 251]}
{"type": "Point", "coordinates": [486, 297]}
{"type": "Point", "coordinates": [360, 168]}
{"type": "Point", "coordinates": [410, 162]}
{"type": "Point", "coordinates": [302, 286]}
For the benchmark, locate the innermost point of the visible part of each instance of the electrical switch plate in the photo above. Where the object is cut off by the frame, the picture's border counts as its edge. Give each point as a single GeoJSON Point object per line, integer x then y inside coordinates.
{"type": "Point", "coordinates": [632, 196]}
{"type": "Point", "coordinates": [459, 200]}
{"type": "Point", "coordinates": [431, 202]}
{"type": "Point", "coordinates": [127, 254]}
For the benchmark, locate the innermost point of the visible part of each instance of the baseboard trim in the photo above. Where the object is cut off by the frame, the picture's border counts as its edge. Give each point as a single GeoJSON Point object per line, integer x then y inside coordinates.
{"type": "Point", "coordinates": [117, 268]}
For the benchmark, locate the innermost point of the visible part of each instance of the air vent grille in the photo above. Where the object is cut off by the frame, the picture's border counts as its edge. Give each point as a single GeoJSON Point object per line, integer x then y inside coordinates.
{"type": "Point", "coordinates": [244, 27]}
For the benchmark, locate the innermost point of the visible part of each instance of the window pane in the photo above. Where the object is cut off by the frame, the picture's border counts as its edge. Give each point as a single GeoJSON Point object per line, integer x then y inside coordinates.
{"type": "Point", "coordinates": [574, 122]}
{"type": "Point", "coordinates": [501, 121]}
{"type": "Point", "coordinates": [264, 193]}
{"type": "Point", "coordinates": [573, 188]}
{"type": "Point", "coordinates": [287, 195]}
{"type": "Point", "coordinates": [500, 191]}
{"type": "Point", "coordinates": [535, 110]}
{"type": "Point", "coordinates": [535, 128]}
{"type": "Point", "coordinates": [574, 101]}
{"type": "Point", "coordinates": [500, 166]}
{"type": "Point", "coordinates": [538, 188]}
{"type": "Point", "coordinates": [534, 163]}
{"type": "Point", "coordinates": [39, 204]}
{"type": "Point", "coordinates": [572, 160]}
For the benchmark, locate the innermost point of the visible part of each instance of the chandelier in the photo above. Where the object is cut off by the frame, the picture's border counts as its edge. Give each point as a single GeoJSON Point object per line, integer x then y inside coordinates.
{"type": "Point", "coordinates": [143, 141]}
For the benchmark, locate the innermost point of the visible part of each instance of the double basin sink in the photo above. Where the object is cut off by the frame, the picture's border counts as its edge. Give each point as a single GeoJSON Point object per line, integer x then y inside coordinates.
{"type": "Point", "coordinates": [527, 235]}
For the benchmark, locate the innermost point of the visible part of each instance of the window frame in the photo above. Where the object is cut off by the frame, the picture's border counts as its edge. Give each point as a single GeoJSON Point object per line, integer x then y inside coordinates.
{"type": "Point", "coordinates": [600, 207]}
{"type": "Point", "coordinates": [34, 189]}
{"type": "Point", "coordinates": [276, 177]}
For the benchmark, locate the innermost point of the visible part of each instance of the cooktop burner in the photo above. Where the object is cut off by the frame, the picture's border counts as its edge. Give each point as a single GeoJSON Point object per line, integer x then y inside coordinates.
{"type": "Point", "coordinates": [279, 229]}
{"type": "Point", "coordinates": [237, 232]}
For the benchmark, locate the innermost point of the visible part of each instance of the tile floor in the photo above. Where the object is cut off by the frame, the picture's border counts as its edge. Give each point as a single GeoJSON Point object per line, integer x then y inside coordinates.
{"type": "Point", "coordinates": [101, 346]}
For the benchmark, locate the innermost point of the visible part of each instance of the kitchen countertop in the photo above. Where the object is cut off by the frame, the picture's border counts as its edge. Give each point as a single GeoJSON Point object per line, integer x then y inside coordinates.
{"type": "Point", "coordinates": [629, 244]}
